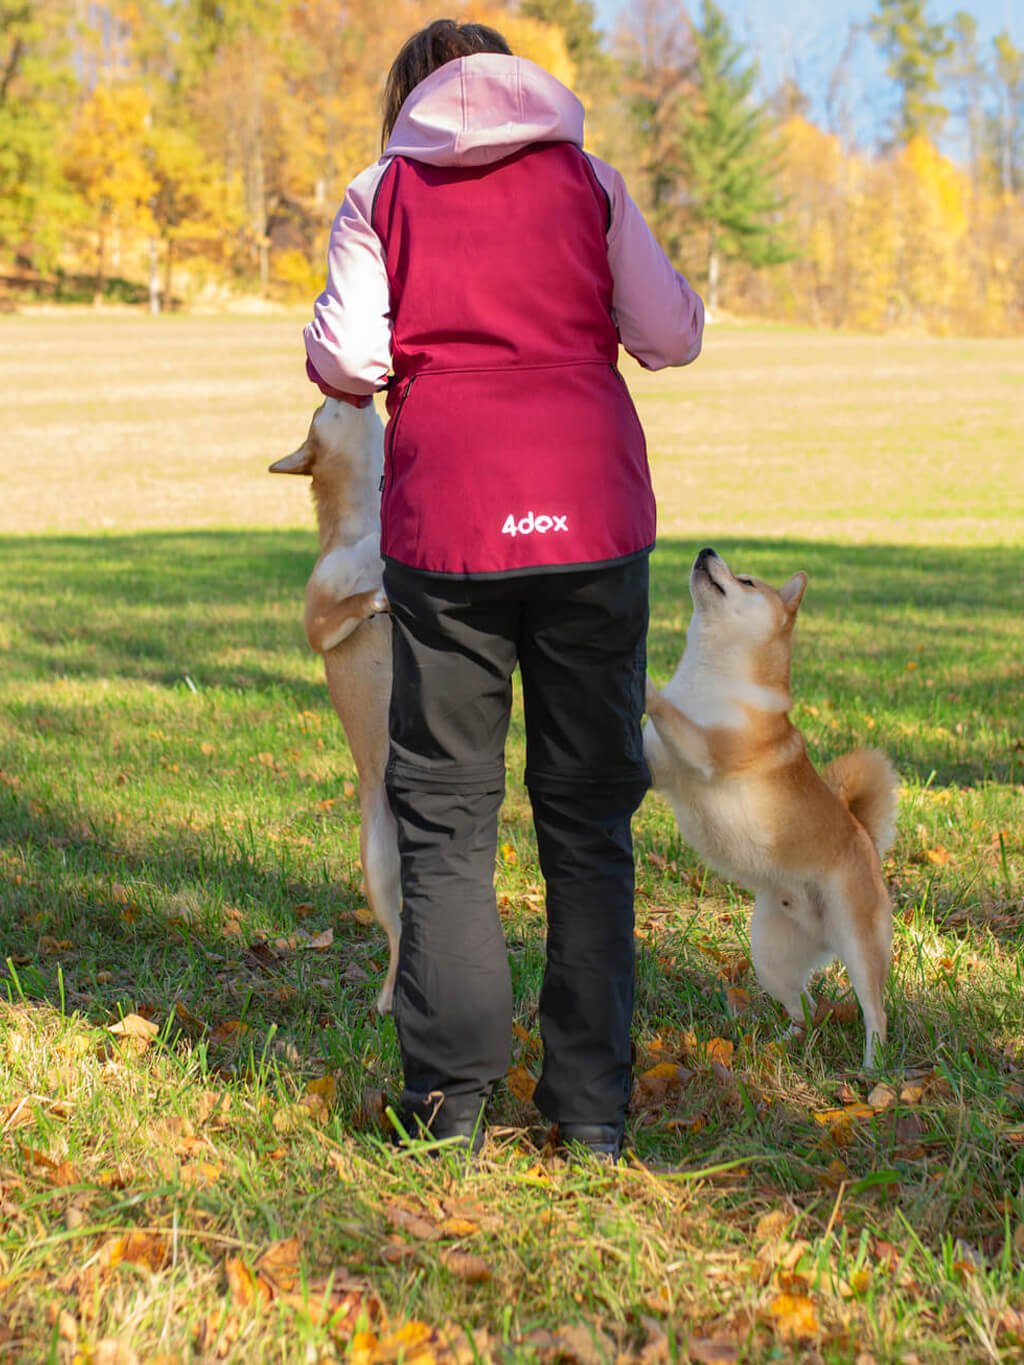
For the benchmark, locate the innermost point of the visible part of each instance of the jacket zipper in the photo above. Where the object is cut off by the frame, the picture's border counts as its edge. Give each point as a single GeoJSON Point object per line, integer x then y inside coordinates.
{"type": "Point", "coordinates": [393, 432]}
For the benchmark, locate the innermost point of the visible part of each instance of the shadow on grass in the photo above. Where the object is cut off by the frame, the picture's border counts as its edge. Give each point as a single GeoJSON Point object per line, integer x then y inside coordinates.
{"type": "Point", "coordinates": [916, 649]}
{"type": "Point", "coordinates": [170, 919]}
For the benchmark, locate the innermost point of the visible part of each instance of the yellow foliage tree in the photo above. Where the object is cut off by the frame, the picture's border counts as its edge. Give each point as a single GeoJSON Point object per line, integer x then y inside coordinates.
{"type": "Point", "coordinates": [108, 163]}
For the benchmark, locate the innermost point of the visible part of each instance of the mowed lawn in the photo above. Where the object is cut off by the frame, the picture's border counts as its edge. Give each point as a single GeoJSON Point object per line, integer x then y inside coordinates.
{"type": "Point", "coordinates": [206, 1180]}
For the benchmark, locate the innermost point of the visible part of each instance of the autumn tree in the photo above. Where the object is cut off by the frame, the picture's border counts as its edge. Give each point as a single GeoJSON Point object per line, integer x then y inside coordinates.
{"type": "Point", "coordinates": [913, 46]}
{"type": "Point", "coordinates": [655, 55]}
{"type": "Point", "coordinates": [36, 89]}
{"type": "Point", "coordinates": [107, 161]}
{"type": "Point", "coordinates": [1008, 122]}
{"type": "Point", "coordinates": [728, 156]}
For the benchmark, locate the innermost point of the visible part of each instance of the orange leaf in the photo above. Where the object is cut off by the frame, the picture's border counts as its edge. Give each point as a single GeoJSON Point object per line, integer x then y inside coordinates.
{"type": "Point", "coordinates": [139, 1248]}
{"type": "Point", "coordinates": [243, 1285]}
{"type": "Point", "coordinates": [521, 1083]}
{"type": "Point", "coordinates": [720, 1050]}
{"type": "Point", "coordinates": [364, 916]}
{"type": "Point", "coordinates": [794, 1316]}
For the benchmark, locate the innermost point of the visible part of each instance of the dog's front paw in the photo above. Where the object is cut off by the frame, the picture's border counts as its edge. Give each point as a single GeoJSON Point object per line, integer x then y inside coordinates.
{"type": "Point", "coordinates": [380, 603]}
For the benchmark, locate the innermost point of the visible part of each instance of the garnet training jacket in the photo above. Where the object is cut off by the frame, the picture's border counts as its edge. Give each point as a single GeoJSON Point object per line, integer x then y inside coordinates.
{"type": "Point", "coordinates": [491, 267]}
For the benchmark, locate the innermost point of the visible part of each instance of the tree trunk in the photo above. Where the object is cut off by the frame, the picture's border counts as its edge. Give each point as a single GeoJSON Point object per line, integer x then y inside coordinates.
{"type": "Point", "coordinates": [101, 265]}
{"type": "Point", "coordinates": [154, 281]}
{"type": "Point", "coordinates": [713, 265]}
{"type": "Point", "coordinates": [168, 268]}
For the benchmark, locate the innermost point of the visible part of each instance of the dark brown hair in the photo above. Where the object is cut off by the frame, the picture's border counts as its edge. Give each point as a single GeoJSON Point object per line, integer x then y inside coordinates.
{"type": "Point", "coordinates": [442, 41]}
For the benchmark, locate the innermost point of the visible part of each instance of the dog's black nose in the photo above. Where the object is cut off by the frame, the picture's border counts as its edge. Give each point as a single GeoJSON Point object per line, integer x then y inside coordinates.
{"type": "Point", "coordinates": [706, 553]}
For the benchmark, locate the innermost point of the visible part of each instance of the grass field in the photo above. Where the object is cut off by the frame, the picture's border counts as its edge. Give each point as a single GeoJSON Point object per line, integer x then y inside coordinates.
{"type": "Point", "coordinates": [178, 849]}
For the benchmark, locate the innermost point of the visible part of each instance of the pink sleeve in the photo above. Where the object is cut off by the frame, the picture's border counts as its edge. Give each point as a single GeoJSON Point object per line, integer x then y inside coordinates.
{"type": "Point", "coordinates": [348, 343]}
{"type": "Point", "coordinates": [659, 316]}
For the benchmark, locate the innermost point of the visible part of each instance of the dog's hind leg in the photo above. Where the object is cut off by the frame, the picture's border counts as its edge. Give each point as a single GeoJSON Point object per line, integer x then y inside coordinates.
{"type": "Point", "coordinates": [784, 954]}
{"type": "Point", "coordinates": [865, 954]}
{"type": "Point", "coordinates": [378, 845]}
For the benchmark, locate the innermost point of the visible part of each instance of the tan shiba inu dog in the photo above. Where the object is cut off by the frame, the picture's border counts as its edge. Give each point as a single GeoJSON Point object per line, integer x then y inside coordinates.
{"type": "Point", "coordinates": [722, 749]}
{"type": "Point", "coordinates": [343, 454]}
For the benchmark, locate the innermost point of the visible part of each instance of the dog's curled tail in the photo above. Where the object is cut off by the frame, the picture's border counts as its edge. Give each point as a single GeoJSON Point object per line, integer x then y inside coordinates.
{"type": "Point", "coordinates": [867, 783]}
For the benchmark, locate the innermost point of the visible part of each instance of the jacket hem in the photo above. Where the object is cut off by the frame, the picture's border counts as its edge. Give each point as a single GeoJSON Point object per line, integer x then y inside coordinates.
{"type": "Point", "coordinates": [529, 571]}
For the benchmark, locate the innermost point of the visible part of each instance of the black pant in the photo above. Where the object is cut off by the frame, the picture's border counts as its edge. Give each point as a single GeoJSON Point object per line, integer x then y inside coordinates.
{"type": "Point", "coordinates": [580, 640]}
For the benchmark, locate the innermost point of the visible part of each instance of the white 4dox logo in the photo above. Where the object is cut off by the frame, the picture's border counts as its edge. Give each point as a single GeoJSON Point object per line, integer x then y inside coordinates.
{"type": "Point", "coordinates": [527, 525]}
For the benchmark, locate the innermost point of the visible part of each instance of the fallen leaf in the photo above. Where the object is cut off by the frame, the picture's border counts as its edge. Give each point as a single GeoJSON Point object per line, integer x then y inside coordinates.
{"type": "Point", "coordinates": [364, 916]}
{"type": "Point", "coordinates": [851, 1111]}
{"type": "Point", "coordinates": [459, 1227]}
{"type": "Point", "coordinates": [138, 1248]}
{"type": "Point", "coordinates": [771, 1226]}
{"type": "Point", "coordinates": [882, 1096]}
{"type": "Point", "coordinates": [521, 1084]}
{"type": "Point", "coordinates": [230, 1031]}
{"type": "Point", "coordinates": [509, 855]}
{"type": "Point", "coordinates": [243, 1286]}
{"type": "Point", "coordinates": [415, 1224]}
{"type": "Point", "coordinates": [794, 1316]}
{"type": "Point", "coordinates": [134, 1026]}
{"type": "Point", "coordinates": [707, 1350]}
{"type": "Point", "coordinates": [939, 856]}
{"type": "Point", "coordinates": [279, 1264]}
{"type": "Point", "coordinates": [187, 1019]}
{"type": "Point", "coordinates": [720, 1050]}
{"type": "Point", "coordinates": [737, 999]}
{"type": "Point", "coordinates": [465, 1266]}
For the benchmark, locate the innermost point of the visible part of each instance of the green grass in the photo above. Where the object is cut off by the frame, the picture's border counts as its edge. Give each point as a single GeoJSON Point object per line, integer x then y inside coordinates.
{"type": "Point", "coordinates": [176, 800]}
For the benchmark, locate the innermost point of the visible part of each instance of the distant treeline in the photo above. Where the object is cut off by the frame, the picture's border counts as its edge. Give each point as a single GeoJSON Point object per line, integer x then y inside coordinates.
{"type": "Point", "coordinates": [190, 150]}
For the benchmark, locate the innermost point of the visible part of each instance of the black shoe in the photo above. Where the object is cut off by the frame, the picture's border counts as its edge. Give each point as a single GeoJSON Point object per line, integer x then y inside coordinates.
{"type": "Point", "coordinates": [601, 1140]}
{"type": "Point", "coordinates": [433, 1121]}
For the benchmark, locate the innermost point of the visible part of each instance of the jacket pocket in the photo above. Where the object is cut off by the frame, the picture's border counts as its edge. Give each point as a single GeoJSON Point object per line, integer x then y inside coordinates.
{"type": "Point", "coordinates": [392, 433]}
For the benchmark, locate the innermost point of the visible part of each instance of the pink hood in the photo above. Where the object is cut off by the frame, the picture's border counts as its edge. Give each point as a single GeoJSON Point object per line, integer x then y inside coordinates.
{"type": "Point", "coordinates": [482, 108]}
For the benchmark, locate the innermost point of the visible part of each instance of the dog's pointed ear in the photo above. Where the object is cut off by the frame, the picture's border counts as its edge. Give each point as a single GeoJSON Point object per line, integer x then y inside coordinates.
{"type": "Point", "coordinates": [298, 462]}
{"type": "Point", "coordinates": [792, 591]}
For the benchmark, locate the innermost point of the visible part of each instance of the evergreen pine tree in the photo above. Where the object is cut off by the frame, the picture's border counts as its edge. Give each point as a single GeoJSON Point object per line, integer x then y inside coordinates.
{"type": "Point", "coordinates": [913, 46]}
{"type": "Point", "coordinates": [728, 156]}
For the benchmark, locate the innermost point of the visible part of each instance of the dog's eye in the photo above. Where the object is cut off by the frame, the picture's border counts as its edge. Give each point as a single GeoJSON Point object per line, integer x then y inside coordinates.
{"type": "Point", "coordinates": [748, 581]}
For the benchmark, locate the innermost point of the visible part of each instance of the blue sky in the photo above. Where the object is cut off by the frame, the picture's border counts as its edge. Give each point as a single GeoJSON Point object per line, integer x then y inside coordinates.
{"type": "Point", "coordinates": [807, 36]}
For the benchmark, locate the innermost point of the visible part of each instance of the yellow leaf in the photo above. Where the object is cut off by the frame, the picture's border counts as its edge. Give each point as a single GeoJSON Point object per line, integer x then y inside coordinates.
{"type": "Point", "coordinates": [771, 1226]}
{"type": "Point", "coordinates": [326, 1087]}
{"type": "Point", "coordinates": [134, 1026]}
{"type": "Point", "coordinates": [794, 1316]}
{"type": "Point", "coordinates": [364, 916]}
{"type": "Point", "coordinates": [939, 855]}
{"type": "Point", "coordinates": [509, 855]}
{"type": "Point", "coordinates": [459, 1227]}
{"type": "Point", "coordinates": [407, 1342]}
{"type": "Point", "coordinates": [881, 1097]}
{"type": "Point", "coordinates": [851, 1111]}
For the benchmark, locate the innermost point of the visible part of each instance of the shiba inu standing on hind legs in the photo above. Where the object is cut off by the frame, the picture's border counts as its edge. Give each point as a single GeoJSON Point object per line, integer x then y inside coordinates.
{"type": "Point", "coordinates": [723, 751]}
{"type": "Point", "coordinates": [343, 454]}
